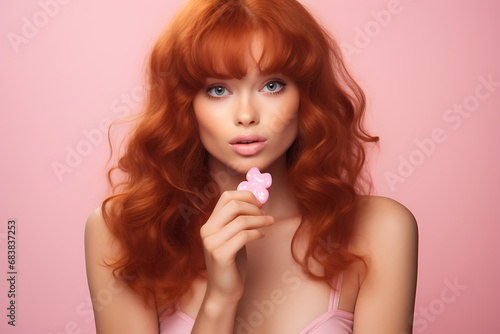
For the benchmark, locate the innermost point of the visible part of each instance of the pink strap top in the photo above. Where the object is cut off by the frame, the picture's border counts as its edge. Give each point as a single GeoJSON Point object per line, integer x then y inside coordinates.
{"type": "Point", "coordinates": [333, 321]}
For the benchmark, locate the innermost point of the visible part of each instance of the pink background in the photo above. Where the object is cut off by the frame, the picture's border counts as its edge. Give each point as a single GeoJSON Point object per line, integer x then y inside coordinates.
{"type": "Point", "coordinates": [86, 57]}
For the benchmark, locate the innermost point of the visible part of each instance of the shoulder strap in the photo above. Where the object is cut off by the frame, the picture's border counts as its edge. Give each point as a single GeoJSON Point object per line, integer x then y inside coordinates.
{"type": "Point", "coordinates": [335, 295]}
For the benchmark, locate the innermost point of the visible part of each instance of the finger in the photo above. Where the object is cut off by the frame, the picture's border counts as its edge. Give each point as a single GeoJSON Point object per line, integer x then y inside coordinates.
{"type": "Point", "coordinates": [225, 254]}
{"type": "Point", "coordinates": [240, 195]}
{"type": "Point", "coordinates": [237, 225]}
{"type": "Point", "coordinates": [228, 213]}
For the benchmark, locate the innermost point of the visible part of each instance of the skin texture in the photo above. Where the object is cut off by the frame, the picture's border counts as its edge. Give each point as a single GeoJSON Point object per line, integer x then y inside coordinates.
{"type": "Point", "coordinates": [257, 104]}
{"type": "Point", "coordinates": [124, 312]}
{"type": "Point", "coordinates": [382, 296]}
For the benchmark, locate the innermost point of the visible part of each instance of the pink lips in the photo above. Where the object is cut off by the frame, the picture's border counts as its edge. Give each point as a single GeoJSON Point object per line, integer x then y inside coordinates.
{"type": "Point", "coordinates": [248, 144]}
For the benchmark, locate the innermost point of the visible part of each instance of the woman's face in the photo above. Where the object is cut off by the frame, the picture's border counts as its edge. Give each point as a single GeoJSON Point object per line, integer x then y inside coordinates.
{"type": "Point", "coordinates": [258, 108]}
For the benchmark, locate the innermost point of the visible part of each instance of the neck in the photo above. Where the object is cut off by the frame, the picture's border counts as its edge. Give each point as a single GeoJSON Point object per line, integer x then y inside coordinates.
{"type": "Point", "coordinates": [281, 203]}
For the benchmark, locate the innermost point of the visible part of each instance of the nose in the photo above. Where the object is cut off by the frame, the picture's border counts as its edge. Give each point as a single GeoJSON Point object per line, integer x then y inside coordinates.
{"type": "Point", "coordinates": [246, 111]}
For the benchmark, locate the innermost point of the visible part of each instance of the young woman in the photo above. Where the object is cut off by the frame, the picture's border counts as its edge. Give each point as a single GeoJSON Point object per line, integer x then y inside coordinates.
{"type": "Point", "coordinates": [177, 249]}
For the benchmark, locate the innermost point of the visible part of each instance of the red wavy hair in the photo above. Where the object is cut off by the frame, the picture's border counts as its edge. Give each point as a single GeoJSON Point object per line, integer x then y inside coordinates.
{"type": "Point", "coordinates": [165, 165]}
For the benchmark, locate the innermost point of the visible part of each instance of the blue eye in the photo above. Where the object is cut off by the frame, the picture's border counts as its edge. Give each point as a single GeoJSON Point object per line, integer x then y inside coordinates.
{"type": "Point", "coordinates": [275, 86]}
{"type": "Point", "coordinates": [272, 86]}
{"type": "Point", "coordinates": [218, 91]}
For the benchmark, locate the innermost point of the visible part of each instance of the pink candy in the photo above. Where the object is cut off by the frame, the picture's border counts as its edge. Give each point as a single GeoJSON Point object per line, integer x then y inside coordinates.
{"type": "Point", "coordinates": [257, 184]}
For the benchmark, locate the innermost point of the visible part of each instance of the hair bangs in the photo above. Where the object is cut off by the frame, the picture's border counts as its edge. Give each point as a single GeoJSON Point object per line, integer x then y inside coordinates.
{"type": "Point", "coordinates": [221, 53]}
{"type": "Point", "coordinates": [221, 48]}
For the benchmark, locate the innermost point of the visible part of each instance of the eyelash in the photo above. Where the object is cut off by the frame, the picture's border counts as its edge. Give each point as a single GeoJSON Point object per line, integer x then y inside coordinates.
{"type": "Point", "coordinates": [282, 90]}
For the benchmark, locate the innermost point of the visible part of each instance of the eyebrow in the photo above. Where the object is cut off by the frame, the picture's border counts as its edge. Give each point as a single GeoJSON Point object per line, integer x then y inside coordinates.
{"type": "Point", "coordinates": [258, 76]}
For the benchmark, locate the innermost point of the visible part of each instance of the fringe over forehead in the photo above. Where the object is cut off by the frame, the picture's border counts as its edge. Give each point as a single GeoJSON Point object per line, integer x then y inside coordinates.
{"type": "Point", "coordinates": [214, 39]}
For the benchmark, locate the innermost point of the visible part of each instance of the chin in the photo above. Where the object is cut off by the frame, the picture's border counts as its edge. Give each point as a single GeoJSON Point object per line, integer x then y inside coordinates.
{"type": "Point", "coordinates": [243, 167]}
{"type": "Point", "coordinates": [234, 164]}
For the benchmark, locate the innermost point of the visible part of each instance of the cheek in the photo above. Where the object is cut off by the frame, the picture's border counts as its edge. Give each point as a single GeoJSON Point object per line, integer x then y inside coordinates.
{"type": "Point", "coordinates": [284, 118]}
{"type": "Point", "coordinates": [205, 120]}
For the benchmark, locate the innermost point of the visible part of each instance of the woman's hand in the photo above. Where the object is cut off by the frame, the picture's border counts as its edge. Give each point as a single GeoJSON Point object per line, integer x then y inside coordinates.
{"type": "Point", "coordinates": [234, 222]}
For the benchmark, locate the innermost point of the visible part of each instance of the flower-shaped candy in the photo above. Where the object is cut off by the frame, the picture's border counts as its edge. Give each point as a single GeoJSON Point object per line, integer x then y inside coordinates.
{"type": "Point", "coordinates": [257, 184]}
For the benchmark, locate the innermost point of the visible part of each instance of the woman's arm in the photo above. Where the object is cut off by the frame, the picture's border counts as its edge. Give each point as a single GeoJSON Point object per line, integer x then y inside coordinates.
{"type": "Point", "coordinates": [234, 222]}
{"type": "Point", "coordinates": [216, 316]}
{"type": "Point", "coordinates": [117, 308]}
{"type": "Point", "coordinates": [386, 298]}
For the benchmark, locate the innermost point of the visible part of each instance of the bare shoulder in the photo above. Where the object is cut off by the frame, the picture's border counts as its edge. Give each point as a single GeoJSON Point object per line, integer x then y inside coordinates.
{"type": "Point", "coordinates": [98, 236]}
{"type": "Point", "coordinates": [95, 224]}
{"type": "Point", "coordinates": [379, 206]}
{"type": "Point", "coordinates": [117, 308]}
{"type": "Point", "coordinates": [386, 235]}
{"type": "Point", "coordinates": [381, 219]}
{"type": "Point", "coordinates": [385, 229]}
{"type": "Point", "coordinates": [100, 244]}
